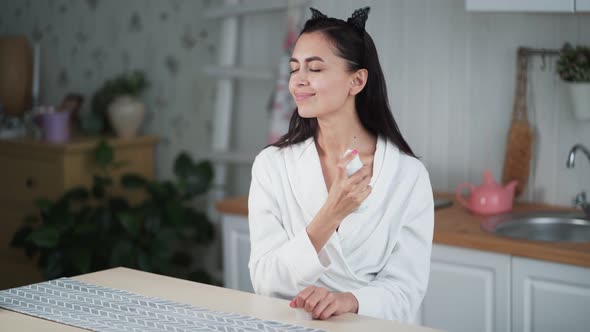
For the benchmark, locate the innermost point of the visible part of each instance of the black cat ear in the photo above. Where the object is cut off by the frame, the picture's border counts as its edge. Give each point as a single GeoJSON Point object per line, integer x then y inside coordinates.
{"type": "Point", "coordinates": [316, 14]}
{"type": "Point", "coordinates": [359, 17]}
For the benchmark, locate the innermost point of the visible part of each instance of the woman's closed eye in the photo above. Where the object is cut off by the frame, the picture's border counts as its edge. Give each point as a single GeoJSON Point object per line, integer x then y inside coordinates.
{"type": "Point", "coordinates": [312, 70]}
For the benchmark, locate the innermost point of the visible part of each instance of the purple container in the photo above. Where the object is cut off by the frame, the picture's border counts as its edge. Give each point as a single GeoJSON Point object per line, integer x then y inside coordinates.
{"type": "Point", "coordinates": [55, 126]}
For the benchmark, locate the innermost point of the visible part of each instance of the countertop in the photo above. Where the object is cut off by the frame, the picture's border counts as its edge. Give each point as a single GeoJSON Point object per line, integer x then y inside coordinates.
{"type": "Point", "coordinates": [456, 226]}
{"type": "Point", "coordinates": [206, 296]}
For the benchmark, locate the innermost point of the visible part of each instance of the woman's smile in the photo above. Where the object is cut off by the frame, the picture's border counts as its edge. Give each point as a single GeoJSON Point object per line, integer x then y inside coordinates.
{"type": "Point", "coordinates": [302, 96]}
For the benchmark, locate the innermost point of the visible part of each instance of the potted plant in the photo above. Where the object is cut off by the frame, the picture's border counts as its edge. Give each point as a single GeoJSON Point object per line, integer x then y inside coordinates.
{"type": "Point", "coordinates": [90, 229]}
{"type": "Point", "coordinates": [117, 103]}
{"type": "Point", "coordinates": [573, 67]}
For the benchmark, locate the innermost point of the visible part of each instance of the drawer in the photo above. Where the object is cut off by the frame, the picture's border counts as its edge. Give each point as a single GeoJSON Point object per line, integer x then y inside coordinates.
{"type": "Point", "coordinates": [25, 180]}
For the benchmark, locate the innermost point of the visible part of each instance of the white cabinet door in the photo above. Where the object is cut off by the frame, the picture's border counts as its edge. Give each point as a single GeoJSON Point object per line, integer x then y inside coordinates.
{"type": "Point", "coordinates": [582, 6]}
{"type": "Point", "coordinates": [556, 6]}
{"type": "Point", "coordinates": [549, 296]}
{"type": "Point", "coordinates": [236, 253]}
{"type": "Point", "coordinates": [469, 290]}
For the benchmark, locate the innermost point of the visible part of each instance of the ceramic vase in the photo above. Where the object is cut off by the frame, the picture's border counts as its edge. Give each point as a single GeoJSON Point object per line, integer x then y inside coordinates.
{"type": "Point", "coordinates": [126, 114]}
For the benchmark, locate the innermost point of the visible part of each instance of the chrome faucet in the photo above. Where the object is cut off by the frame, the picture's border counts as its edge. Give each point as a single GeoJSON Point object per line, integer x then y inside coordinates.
{"type": "Point", "coordinates": [580, 199]}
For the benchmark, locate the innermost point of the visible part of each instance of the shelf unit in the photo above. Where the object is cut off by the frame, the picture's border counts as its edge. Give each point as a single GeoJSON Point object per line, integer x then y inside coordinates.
{"type": "Point", "coordinates": [226, 72]}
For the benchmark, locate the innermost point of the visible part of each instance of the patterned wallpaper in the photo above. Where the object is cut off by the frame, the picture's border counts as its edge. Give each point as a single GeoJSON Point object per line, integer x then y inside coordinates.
{"type": "Point", "coordinates": [85, 42]}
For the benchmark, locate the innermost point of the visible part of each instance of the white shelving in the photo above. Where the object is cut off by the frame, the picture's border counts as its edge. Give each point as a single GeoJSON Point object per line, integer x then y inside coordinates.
{"type": "Point", "coordinates": [246, 8]}
{"type": "Point", "coordinates": [232, 72]}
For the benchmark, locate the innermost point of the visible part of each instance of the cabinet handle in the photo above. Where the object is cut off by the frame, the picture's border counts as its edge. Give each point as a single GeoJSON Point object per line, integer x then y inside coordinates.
{"type": "Point", "coordinates": [30, 183]}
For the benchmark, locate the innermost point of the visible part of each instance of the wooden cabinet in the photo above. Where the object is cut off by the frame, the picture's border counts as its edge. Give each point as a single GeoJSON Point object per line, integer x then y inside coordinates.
{"type": "Point", "coordinates": [30, 169]}
{"type": "Point", "coordinates": [549, 297]}
{"type": "Point", "coordinates": [468, 290]}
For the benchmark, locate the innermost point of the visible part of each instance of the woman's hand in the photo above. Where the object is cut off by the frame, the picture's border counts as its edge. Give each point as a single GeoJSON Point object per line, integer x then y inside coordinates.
{"type": "Point", "coordinates": [347, 193]}
{"type": "Point", "coordinates": [322, 304]}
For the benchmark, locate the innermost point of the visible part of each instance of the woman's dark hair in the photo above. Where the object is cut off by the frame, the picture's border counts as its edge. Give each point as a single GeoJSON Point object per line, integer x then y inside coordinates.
{"type": "Point", "coordinates": [372, 106]}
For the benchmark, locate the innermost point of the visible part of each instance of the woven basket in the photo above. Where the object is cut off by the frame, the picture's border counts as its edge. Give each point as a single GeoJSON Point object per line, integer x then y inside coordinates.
{"type": "Point", "coordinates": [520, 136]}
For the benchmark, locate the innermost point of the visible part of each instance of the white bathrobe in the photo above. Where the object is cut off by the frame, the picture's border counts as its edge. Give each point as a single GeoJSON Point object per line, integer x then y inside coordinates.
{"type": "Point", "coordinates": [381, 254]}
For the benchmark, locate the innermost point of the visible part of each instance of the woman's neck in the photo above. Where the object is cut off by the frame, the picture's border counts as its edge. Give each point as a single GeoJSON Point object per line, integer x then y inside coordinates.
{"type": "Point", "coordinates": [343, 130]}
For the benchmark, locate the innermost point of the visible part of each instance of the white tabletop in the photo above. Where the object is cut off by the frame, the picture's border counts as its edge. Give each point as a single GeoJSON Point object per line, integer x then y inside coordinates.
{"type": "Point", "coordinates": [205, 296]}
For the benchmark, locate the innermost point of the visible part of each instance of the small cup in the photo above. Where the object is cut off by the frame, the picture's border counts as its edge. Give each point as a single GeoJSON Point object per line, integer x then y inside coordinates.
{"type": "Point", "coordinates": [55, 126]}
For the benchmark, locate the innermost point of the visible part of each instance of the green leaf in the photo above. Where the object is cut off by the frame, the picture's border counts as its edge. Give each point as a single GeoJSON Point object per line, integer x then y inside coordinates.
{"type": "Point", "coordinates": [31, 220]}
{"type": "Point", "coordinates": [45, 237]}
{"type": "Point", "coordinates": [158, 191]}
{"type": "Point", "coordinates": [130, 222]}
{"type": "Point", "coordinates": [54, 266]}
{"type": "Point", "coordinates": [183, 165]}
{"type": "Point", "coordinates": [182, 258]}
{"type": "Point", "coordinates": [144, 262]}
{"type": "Point", "coordinates": [76, 194]}
{"type": "Point", "coordinates": [152, 223]}
{"type": "Point", "coordinates": [200, 275]}
{"type": "Point", "coordinates": [200, 179]}
{"type": "Point", "coordinates": [103, 154]}
{"type": "Point", "coordinates": [175, 214]}
{"type": "Point", "coordinates": [122, 254]}
{"type": "Point", "coordinates": [91, 123]}
{"type": "Point", "coordinates": [99, 185]}
{"type": "Point", "coordinates": [82, 260]}
{"type": "Point", "coordinates": [84, 228]}
{"type": "Point", "coordinates": [204, 228]}
{"type": "Point", "coordinates": [43, 204]}
{"type": "Point", "coordinates": [117, 204]}
{"type": "Point", "coordinates": [19, 237]}
{"type": "Point", "coordinates": [133, 181]}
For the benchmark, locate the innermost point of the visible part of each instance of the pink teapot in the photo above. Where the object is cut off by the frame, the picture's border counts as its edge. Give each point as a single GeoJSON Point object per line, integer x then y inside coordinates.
{"type": "Point", "coordinates": [488, 198]}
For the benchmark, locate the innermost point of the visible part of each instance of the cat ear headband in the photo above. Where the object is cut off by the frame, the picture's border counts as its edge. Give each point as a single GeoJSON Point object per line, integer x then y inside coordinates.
{"type": "Point", "coordinates": [357, 19]}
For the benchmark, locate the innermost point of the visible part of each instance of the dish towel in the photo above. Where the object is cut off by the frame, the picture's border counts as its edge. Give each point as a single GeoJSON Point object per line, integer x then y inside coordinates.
{"type": "Point", "coordinates": [98, 308]}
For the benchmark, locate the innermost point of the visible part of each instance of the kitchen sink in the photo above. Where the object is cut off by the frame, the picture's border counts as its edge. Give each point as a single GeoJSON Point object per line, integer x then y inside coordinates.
{"type": "Point", "coordinates": [541, 226]}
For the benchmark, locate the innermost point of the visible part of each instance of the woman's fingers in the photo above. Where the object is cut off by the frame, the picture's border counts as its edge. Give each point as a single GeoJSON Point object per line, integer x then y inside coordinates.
{"type": "Point", "coordinates": [300, 298]}
{"type": "Point", "coordinates": [313, 300]}
{"type": "Point", "coordinates": [329, 310]}
{"type": "Point", "coordinates": [322, 305]}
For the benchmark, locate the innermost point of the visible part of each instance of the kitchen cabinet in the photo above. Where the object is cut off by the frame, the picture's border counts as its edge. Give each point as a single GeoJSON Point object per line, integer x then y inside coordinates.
{"type": "Point", "coordinates": [236, 252]}
{"type": "Point", "coordinates": [583, 6]}
{"type": "Point", "coordinates": [551, 6]}
{"type": "Point", "coordinates": [549, 296]}
{"type": "Point", "coordinates": [30, 169]}
{"type": "Point", "coordinates": [468, 290]}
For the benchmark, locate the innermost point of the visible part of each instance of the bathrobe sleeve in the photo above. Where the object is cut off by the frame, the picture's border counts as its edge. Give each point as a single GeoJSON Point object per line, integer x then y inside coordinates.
{"type": "Point", "coordinates": [398, 289]}
{"type": "Point", "coordinates": [280, 265]}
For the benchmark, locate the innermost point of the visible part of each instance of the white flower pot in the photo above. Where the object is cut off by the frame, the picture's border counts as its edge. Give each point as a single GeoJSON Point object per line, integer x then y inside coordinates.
{"type": "Point", "coordinates": [579, 93]}
{"type": "Point", "coordinates": [126, 115]}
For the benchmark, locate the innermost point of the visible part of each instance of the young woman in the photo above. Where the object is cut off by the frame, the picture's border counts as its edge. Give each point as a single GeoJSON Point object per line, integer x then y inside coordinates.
{"type": "Point", "coordinates": [310, 242]}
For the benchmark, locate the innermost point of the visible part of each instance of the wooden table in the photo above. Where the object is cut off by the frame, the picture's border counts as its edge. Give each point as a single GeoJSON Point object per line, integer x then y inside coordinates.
{"type": "Point", "coordinates": [206, 296]}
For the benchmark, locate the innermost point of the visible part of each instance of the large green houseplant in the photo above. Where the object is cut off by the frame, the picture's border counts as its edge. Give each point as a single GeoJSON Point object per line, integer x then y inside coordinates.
{"type": "Point", "coordinates": [90, 229]}
{"type": "Point", "coordinates": [573, 67]}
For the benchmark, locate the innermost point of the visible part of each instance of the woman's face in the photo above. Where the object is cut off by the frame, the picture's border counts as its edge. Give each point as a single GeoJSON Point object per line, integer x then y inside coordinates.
{"type": "Point", "coordinates": [320, 82]}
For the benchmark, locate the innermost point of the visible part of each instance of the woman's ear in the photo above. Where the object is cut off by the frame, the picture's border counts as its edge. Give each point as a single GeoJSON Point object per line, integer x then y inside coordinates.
{"type": "Point", "coordinates": [358, 80]}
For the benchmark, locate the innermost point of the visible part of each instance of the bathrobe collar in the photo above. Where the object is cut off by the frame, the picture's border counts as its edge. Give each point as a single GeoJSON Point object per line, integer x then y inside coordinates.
{"type": "Point", "coordinates": [307, 180]}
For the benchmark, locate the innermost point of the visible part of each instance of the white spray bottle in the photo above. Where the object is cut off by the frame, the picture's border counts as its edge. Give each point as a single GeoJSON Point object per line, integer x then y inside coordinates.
{"type": "Point", "coordinates": [353, 166]}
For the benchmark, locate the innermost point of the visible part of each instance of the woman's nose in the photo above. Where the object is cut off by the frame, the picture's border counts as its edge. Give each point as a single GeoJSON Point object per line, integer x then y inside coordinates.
{"type": "Point", "coordinates": [301, 80]}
